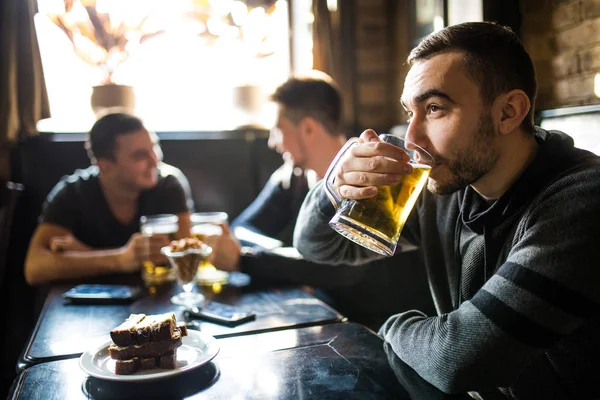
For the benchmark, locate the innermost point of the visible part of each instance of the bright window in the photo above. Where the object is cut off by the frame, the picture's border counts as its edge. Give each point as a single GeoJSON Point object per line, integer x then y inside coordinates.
{"type": "Point", "coordinates": [185, 72]}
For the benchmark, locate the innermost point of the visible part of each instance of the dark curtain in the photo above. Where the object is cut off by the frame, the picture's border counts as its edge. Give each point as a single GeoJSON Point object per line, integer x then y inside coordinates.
{"type": "Point", "coordinates": [23, 102]}
{"type": "Point", "coordinates": [325, 43]}
{"type": "Point", "coordinates": [23, 97]}
{"type": "Point", "coordinates": [333, 50]}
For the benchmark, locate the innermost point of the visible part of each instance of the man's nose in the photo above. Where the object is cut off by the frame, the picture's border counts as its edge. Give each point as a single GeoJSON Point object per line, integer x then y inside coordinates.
{"type": "Point", "coordinates": [156, 156]}
{"type": "Point", "coordinates": [415, 132]}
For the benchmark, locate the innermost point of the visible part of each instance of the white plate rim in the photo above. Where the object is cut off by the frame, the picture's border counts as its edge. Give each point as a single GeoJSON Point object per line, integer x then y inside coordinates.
{"type": "Point", "coordinates": [87, 365]}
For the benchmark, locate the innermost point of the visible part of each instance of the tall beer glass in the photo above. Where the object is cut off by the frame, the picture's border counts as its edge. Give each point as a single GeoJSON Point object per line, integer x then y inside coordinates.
{"type": "Point", "coordinates": [160, 224]}
{"type": "Point", "coordinates": [376, 222]}
{"type": "Point", "coordinates": [204, 226]}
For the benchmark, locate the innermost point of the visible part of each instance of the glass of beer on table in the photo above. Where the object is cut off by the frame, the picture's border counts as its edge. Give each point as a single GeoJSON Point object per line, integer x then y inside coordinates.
{"type": "Point", "coordinates": [160, 224]}
{"type": "Point", "coordinates": [376, 222]}
{"type": "Point", "coordinates": [205, 225]}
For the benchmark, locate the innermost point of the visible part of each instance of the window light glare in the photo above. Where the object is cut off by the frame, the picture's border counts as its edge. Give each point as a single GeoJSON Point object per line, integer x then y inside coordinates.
{"type": "Point", "coordinates": [310, 18]}
{"type": "Point", "coordinates": [438, 23]}
{"type": "Point", "coordinates": [258, 56]}
{"type": "Point", "coordinates": [597, 84]}
{"type": "Point", "coordinates": [281, 5]}
{"type": "Point", "coordinates": [216, 26]}
{"type": "Point", "coordinates": [103, 6]}
{"type": "Point", "coordinates": [221, 7]}
{"type": "Point", "coordinates": [52, 7]}
{"type": "Point", "coordinates": [332, 5]}
{"type": "Point", "coordinates": [239, 13]}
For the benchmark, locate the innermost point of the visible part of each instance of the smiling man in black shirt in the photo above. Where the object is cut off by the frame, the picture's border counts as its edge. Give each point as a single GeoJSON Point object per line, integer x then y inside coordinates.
{"type": "Point", "coordinates": [90, 221]}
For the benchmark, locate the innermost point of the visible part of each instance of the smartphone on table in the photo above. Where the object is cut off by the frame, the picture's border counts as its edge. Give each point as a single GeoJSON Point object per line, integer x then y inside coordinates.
{"type": "Point", "coordinates": [220, 313]}
{"type": "Point", "coordinates": [102, 294]}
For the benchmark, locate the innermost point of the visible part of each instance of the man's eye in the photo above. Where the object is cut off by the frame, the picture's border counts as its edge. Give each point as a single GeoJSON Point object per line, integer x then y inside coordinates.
{"type": "Point", "coordinates": [433, 108]}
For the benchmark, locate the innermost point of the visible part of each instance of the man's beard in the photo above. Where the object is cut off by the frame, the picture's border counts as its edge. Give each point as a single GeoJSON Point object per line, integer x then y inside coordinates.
{"type": "Point", "coordinates": [468, 165]}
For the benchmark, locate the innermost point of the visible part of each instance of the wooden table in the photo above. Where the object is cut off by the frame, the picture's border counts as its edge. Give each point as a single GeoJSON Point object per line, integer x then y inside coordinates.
{"type": "Point", "coordinates": [66, 330]}
{"type": "Point", "coordinates": [334, 361]}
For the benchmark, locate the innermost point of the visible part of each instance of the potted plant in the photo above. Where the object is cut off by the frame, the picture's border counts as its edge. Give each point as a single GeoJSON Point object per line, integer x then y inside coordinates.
{"type": "Point", "coordinates": [105, 42]}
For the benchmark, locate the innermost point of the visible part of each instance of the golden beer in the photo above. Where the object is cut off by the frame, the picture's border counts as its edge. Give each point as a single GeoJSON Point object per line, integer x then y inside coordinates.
{"type": "Point", "coordinates": [165, 224]}
{"type": "Point", "coordinates": [202, 232]}
{"type": "Point", "coordinates": [204, 227]}
{"type": "Point", "coordinates": [376, 223]}
{"type": "Point", "coordinates": [385, 214]}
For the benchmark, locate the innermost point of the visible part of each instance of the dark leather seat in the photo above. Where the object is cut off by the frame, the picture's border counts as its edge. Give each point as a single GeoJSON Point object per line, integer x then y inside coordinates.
{"type": "Point", "coordinates": [9, 192]}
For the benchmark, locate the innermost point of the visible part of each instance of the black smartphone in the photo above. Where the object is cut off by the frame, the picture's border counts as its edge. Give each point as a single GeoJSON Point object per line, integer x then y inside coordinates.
{"type": "Point", "coordinates": [102, 294]}
{"type": "Point", "coordinates": [219, 313]}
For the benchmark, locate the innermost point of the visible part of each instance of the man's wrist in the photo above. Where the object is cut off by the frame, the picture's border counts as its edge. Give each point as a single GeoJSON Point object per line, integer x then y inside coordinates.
{"type": "Point", "coordinates": [119, 260]}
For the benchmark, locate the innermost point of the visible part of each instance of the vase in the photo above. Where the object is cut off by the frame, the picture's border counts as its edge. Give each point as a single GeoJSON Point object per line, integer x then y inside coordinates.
{"type": "Point", "coordinates": [112, 98]}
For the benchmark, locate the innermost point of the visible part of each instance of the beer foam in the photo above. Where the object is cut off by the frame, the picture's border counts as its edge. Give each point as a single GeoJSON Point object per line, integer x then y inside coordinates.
{"type": "Point", "coordinates": [160, 229]}
{"type": "Point", "coordinates": [422, 166]}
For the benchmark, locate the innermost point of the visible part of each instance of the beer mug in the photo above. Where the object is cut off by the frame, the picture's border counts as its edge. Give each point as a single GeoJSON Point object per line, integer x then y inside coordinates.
{"type": "Point", "coordinates": [376, 222]}
{"type": "Point", "coordinates": [160, 224]}
{"type": "Point", "coordinates": [205, 225]}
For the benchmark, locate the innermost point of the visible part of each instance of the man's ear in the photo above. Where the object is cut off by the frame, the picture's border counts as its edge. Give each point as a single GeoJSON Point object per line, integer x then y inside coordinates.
{"type": "Point", "coordinates": [104, 165]}
{"type": "Point", "coordinates": [309, 126]}
{"type": "Point", "coordinates": [512, 108]}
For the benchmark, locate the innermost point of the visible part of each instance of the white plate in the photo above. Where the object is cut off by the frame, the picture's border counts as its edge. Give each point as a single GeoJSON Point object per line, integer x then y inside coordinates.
{"type": "Point", "coordinates": [197, 349]}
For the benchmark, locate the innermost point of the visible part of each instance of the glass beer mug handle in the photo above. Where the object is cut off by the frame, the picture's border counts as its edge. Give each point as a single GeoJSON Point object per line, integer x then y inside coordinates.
{"type": "Point", "coordinates": [329, 179]}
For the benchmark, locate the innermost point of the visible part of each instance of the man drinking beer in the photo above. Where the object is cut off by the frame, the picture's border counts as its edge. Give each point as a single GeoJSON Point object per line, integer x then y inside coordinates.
{"type": "Point", "coordinates": [508, 226]}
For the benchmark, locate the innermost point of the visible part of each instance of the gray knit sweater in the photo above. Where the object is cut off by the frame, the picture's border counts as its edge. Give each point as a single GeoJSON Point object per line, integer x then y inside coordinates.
{"type": "Point", "coordinates": [516, 284]}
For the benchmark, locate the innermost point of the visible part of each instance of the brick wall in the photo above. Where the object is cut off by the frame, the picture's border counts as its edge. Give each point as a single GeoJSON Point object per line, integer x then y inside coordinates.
{"type": "Point", "coordinates": [373, 67]}
{"type": "Point", "coordinates": [381, 35]}
{"type": "Point", "coordinates": [563, 39]}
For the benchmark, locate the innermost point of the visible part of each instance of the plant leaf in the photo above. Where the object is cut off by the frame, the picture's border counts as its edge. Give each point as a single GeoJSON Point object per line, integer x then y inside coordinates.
{"type": "Point", "coordinates": [104, 38]}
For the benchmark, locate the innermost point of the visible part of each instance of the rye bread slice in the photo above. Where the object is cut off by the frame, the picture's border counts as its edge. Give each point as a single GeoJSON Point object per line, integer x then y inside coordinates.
{"type": "Point", "coordinates": [166, 361]}
{"type": "Point", "coordinates": [122, 334]}
{"type": "Point", "coordinates": [127, 367]}
{"type": "Point", "coordinates": [182, 329]}
{"type": "Point", "coordinates": [141, 328]}
{"type": "Point", "coordinates": [131, 366]}
{"type": "Point", "coordinates": [146, 350]}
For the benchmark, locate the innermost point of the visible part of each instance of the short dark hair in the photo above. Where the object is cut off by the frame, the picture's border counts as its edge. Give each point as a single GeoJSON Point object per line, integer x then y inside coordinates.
{"type": "Point", "coordinates": [311, 97]}
{"type": "Point", "coordinates": [103, 136]}
{"type": "Point", "coordinates": [493, 56]}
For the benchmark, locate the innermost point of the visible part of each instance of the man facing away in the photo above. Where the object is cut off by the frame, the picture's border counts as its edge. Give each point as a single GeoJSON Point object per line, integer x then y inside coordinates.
{"type": "Point", "coordinates": [90, 221]}
{"type": "Point", "coordinates": [308, 133]}
{"type": "Point", "coordinates": [508, 226]}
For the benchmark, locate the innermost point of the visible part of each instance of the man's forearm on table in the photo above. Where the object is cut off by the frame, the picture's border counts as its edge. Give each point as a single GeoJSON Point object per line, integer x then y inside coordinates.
{"type": "Point", "coordinates": [45, 266]}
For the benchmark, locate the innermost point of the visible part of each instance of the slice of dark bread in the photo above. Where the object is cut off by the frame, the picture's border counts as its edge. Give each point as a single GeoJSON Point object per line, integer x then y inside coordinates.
{"type": "Point", "coordinates": [141, 328]}
{"type": "Point", "coordinates": [127, 367]}
{"type": "Point", "coordinates": [122, 334]}
{"type": "Point", "coordinates": [148, 363]}
{"type": "Point", "coordinates": [146, 350]}
{"type": "Point", "coordinates": [182, 328]}
{"type": "Point", "coordinates": [168, 361]}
